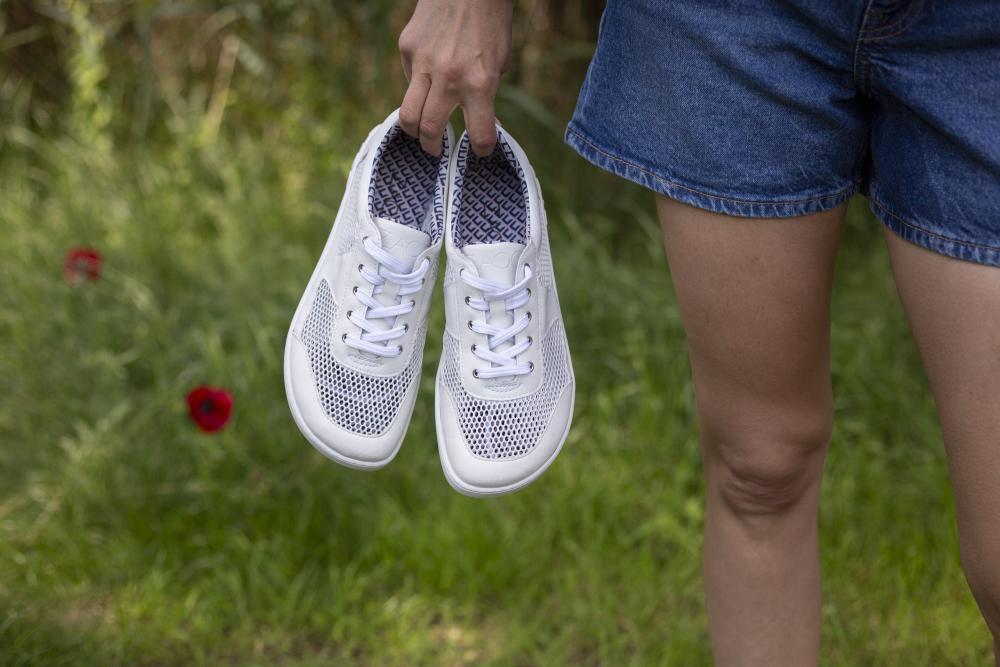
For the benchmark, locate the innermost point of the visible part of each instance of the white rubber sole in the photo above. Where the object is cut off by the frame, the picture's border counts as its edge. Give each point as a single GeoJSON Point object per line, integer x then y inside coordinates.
{"type": "Point", "coordinates": [471, 490]}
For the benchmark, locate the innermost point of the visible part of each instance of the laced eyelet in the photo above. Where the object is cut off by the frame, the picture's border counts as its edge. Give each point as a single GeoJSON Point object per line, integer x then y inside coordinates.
{"type": "Point", "coordinates": [355, 290]}
{"type": "Point", "coordinates": [361, 268]}
{"type": "Point", "coordinates": [530, 340]}
{"type": "Point", "coordinates": [529, 315]}
{"type": "Point", "coordinates": [470, 324]}
{"type": "Point", "coordinates": [406, 327]}
{"type": "Point", "coordinates": [529, 291]}
{"type": "Point", "coordinates": [467, 299]}
{"type": "Point", "coordinates": [473, 348]}
{"type": "Point", "coordinates": [413, 303]}
{"type": "Point", "coordinates": [349, 313]}
{"type": "Point", "coordinates": [399, 349]}
{"type": "Point", "coordinates": [475, 373]}
{"type": "Point", "coordinates": [343, 338]}
{"type": "Point", "coordinates": [531, 366]}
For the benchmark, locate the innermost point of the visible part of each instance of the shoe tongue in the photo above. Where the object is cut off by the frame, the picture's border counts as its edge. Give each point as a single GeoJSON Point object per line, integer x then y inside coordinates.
{"type": "Point", "coordinates": [495, 261]}
{"type": "Point", "coordinates": [403, 242]}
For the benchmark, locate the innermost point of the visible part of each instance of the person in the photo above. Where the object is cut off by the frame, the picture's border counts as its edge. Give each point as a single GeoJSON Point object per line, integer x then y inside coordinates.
{"type": "Point", "coordinates": [753, 123]}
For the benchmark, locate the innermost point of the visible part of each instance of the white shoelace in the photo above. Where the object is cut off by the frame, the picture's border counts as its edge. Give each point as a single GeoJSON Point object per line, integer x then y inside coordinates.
{"type": "Point", "coordinates": [502, 362]}
{"type": "Point", "coordinates": [374, 337]}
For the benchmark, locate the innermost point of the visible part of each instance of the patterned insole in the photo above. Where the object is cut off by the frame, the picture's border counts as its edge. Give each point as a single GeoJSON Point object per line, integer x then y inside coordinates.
{"type": "Point", "coordinates": [402, 188]}
{"type": "Point", "coordinates": [491, 202]}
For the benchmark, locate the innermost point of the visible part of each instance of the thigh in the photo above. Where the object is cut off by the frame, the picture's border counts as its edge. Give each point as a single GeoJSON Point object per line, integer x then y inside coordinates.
{"type": "Point", "coordinates": [954, 310]}
{"type": "Point", "coordinates": [754, 295]}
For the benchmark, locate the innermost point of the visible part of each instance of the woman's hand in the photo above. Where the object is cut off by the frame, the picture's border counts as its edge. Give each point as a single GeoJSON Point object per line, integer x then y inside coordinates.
{"type": "Point", "coordinates": [454, 52]}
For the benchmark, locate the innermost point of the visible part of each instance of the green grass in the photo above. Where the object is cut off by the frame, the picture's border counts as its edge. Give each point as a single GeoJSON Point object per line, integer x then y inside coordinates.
{"type": "Point", "coordinates": [129, 538]}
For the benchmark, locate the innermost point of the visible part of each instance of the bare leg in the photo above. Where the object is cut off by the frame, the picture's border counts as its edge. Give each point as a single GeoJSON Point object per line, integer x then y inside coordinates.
{"type": "Point", "coordinates": [954, 309]}
{"type": "Point", "coordinates": [754, 295]}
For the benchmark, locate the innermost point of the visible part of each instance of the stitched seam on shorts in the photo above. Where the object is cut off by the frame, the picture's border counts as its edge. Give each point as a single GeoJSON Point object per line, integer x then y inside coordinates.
{"type": "Point", "coordinates": [895, 34]}
{"type": "Point", "coordinates": [891, 26]}
{"type": "Point", "coordinates": [673, 184]}
{"type": "Point", "coordinates": [941, 237]}
{"type": "Point", "coordinates": [876, 33]}
{"type": "Point", "coordinates": [858, 42]}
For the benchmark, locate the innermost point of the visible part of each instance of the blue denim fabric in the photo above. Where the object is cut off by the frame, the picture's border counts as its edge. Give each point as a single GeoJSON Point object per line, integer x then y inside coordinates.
{"type": "Point", "coordinates": [770, 108]}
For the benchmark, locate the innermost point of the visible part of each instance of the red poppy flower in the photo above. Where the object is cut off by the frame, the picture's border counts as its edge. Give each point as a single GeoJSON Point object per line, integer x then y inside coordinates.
{"type": "Point", "coordinates": [82, 264]}
{"type": "Point", "coordinates": [210, 407]}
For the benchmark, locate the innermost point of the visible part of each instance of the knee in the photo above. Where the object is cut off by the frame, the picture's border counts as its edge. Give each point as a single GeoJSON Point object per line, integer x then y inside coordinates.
{"type": "Point", "coordinates": [761, 467]}
{"type": "Point", "coordinates": [766, 485]}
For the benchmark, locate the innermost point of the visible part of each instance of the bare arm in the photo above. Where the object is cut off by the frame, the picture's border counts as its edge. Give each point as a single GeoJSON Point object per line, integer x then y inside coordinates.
{"type": "Point", "coordinates": [454, 52]}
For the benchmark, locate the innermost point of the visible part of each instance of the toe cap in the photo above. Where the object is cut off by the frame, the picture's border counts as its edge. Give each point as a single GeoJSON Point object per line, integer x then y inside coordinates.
{"type": "Point", "coordinates": [477, 476]}
{"type": "Point", "coordinates": [348, 448]}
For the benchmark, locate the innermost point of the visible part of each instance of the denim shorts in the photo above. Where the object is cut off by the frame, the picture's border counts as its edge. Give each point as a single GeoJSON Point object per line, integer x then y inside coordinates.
{"type": "Point", "coordinates": [774, 108]}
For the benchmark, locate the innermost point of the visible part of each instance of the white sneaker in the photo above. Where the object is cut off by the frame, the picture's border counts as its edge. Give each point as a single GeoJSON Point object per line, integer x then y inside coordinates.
{"type": "Point", "coordinates": [354, 349]}
{"type": "Point", "coordinates": [505, 386]}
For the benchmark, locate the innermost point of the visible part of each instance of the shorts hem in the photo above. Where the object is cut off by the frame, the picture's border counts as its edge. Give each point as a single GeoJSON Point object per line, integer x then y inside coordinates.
{"type": "Point", "coordinates": [918, 235]}
{"type": "Point", "coordinates": [746, 208]}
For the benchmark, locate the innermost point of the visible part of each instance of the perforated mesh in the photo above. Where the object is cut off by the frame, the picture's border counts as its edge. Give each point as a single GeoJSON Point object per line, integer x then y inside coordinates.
{"type": "Point", "coordinates": [406, 182]}
{"type": "Point", "coordinates": [545, 274]}
{"type": "Point", "coordinates": [450, 275]}
{"type": "Point", "coordinates": [359, 403]}
{"type": "Point", "coordinates": [490, 197]}
{"type": "Point", "coordinates": [507, 429]}
{"type": "Point", "coordinates": [350, 215]}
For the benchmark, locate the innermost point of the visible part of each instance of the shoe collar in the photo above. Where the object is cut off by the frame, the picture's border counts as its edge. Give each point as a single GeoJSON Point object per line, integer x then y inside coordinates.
{"type": "Point", "coordinates": [376, 140]}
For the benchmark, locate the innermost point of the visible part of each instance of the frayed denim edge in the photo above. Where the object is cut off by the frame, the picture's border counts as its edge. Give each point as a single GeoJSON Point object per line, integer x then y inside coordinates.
{"type": "Point", "coordinates": [579, 142]}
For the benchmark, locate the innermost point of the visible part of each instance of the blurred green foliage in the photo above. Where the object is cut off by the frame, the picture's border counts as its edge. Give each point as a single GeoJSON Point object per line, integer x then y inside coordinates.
{"type": "Point", "coordinates": [164, 65]}
{"type": "Point", "coordinates": [203, 148]}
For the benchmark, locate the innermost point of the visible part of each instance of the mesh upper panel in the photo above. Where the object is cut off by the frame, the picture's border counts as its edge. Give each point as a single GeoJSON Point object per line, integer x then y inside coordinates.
{"type": "Point", "coordinates": [407, 182]}
{"type": "Point", "coordinates": [507, 429]}
{"type": "Point", "coordinates": [490, 199]}
{"type": "Point", "coordinates": [545, 271]}
{"type": "Point", "coordinates": [350, 220]}
{"type": "Point", "coordinates": [359, 403]}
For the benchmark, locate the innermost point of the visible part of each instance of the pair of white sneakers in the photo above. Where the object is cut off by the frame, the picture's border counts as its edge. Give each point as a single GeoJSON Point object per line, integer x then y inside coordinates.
{"type": "Point", "coordinates": [505, 386]}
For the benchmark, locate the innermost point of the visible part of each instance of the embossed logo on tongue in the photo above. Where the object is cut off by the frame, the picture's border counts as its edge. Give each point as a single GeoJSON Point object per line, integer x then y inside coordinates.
{"type": "Point", "coordinates": [401, 241]}
{"type": "Point", "coordinates": [495, 261]}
